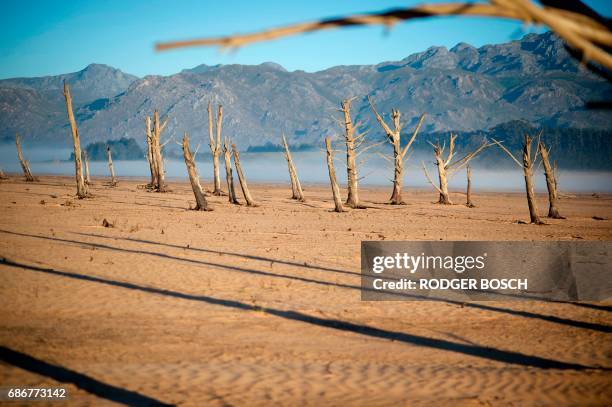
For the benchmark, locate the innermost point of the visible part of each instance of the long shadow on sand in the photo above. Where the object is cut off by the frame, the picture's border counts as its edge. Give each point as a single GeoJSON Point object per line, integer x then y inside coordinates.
{"type": "Point", "coordinates": [316, 267]}
{"type": "Point", "coordinates": [243, 256]}
{"type": "Point", "coordinates": [498, 355]}
{"type": "Point", "coordinates": [322, 268]}
{"type": "Point", "coordinates": [526, 314]}
{"type": "Point", "coordinates": [84, 382]}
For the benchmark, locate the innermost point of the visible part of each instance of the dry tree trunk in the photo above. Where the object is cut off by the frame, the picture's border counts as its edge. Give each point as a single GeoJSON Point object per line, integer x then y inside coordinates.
{"type": "Point", "coordinates": [444, 195]}
{"type": "Point", "coordinates": [527, 166]}
{"type": "Point", "coordinates": [556, 178]}
{"type": "Point", "coordinates": [332, 177]}
{"type": "Point", "coordinates": [398, 174]}
{"type": "Point", "coordinates": [215, 147]}
{"type": "Point", "coordinates": [394, 138]}
{"type": "Point", "coordinates": [82, 190]}
{"type": "Point", "coordinates": [201, 204]}
{"type": "Point", "coordinates": [468, 201]}
{"type": "Point", "coordinates": [442, 178]}
{"type": "Point", "coordinates": [159, 161]}
{"type": "Point", "coordinates": [86, 162]}
{"type": "Point", "coordinates": [150, 155]}
{"type": "Point", "coordinates": [109, 156]}
{"type": "Point", "coordinates": [231, 192]}
{"type": "Point", "coordinates": [243, 184]}
{"type": "Point", "coordinates": [528, 172]}
{"type": "Point", "coordinates": [25, 166]}
{"type": "Point", "coordinates": [553, 211]}
{"type": "Point", "coordinates": [351, 166]}
{"type": "Point", "coordinates": [296, 187]}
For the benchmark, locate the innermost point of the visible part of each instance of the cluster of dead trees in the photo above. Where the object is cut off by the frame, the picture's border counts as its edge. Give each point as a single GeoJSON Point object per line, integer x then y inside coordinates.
{"type": "Point", "coordinates": [153, 130]}
{"type": "Point", "coordinates": [154, 152]}
{"type": "Point", "coordinates": [587, 36]}
{"type": "Point", "coordinates": [447, 160]}
{"type": "Point", "coordinates": [448, 167]}
{"type": "Point", "coordinates": [529, 160]}
{"type": "Point", "coordinates": [81, 159]}
{"type": "Point", "coordinates": [216, 148]}
{"type": "Point", "coordinates": [354, 143]}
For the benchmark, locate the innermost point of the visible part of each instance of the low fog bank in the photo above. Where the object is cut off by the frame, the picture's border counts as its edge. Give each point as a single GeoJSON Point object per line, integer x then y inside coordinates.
{"type": "Point", "coordinates": [271, 167]}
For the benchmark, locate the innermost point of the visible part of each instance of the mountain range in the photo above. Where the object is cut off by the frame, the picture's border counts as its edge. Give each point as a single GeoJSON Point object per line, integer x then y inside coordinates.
{"type": "Point", "coordinates": [462, 89]}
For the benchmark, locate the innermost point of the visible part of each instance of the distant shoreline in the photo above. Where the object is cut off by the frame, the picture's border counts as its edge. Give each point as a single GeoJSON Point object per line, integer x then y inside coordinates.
{"type": "Point", "coordinates": [206, 182]}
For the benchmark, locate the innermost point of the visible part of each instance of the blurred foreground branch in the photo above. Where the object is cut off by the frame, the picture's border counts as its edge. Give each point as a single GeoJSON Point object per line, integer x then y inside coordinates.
{"type": "Point", "coordinates": [579, 26]}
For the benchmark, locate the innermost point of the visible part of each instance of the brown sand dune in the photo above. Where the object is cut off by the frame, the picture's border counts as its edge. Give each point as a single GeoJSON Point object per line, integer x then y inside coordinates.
{"type": "Point", "coordinates": [260, 306]}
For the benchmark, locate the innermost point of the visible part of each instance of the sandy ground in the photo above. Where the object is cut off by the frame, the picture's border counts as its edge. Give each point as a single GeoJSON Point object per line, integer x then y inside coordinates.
{"type": "Point", "coordinates": [260, 306]}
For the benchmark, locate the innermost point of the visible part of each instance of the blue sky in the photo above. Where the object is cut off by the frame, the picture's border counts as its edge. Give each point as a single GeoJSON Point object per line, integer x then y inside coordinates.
{"type": "Point", "coordinates": [52, 37]}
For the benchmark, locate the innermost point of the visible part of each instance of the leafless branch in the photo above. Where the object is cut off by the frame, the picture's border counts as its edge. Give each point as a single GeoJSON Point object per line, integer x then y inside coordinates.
{"type": "Point", "coordinates": [508, 152]}
{"type": "Point", "coordinates": [429, 178]}
{"type": "Point", "coordinates": [414, 134]}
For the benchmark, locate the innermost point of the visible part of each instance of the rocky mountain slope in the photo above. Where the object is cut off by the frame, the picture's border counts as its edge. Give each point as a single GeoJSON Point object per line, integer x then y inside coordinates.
{"type": "Point", "coordinates": [463, 89]}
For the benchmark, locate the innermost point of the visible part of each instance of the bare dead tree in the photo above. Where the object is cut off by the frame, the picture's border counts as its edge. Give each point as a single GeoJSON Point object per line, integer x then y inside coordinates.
{"type": "Point", "coordinates": [157, 150]}
{"type": "Point", "coordinates": [448, 167]}
{"type": "Point", "coordinates": [583, 29]}
{"type": "Point", "coordinates": [332, 176]}
{"type": "Point", "coordinates": [352, 142]}
{"type": "Point", "coordinates": [296, 187]}
{"type": "Point", "coordinates": [468, 194]}
{"type": "Point", "coordinates": [109, 156]}
{"type": "Point", "coordinates": [194, 179]}
{"type": "Point", "coordinates": [215, 146]}
{"type": "Point", "coordinates": [150, 155]}
{"type": "Point", "coordinates": [229, 178]}
{"type": "Point", "coordinates": [25, 165]}
{"type": "Point", "coordinates": [399, 152]}
{"type": "Point", "coordinates": [551, 182]}
{"type": "Point", "coordinates": [154, 151]}
{"type": "Point", "coordinates": [527, 166]}
{"type": "Point", "coordinates": [243, 183]}
{"type": "Point", "coordinates": [82, 190]}
{"type": "Point", "coordinates": [86, 164]}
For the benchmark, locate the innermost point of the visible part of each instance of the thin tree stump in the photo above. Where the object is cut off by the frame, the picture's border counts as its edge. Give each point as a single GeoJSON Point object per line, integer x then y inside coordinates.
{"type": "Point", "coordinates": [332, 176]}
{"type": "Point", "coordinates": [201, 203]}
{"type": "Point", "coordinates": [111, 168]}
{"type": "Point", "coordinates": [469, 202]}
{"type": "Point", "coordinates": [86, 162]}
{"type": "Point", "coordinates": [556, 178]}
{"type": "Point", "coordinates": [82, 190]}
{"type": "Point", "coordinates": [243, 183]}
{"type": "Point", "coordinates": [150, 155]}
{"type": "Point", "coordinates": [159, 161]}
{"type": "Point", "coordinates": [229, 178]}
{"type": "Point", "coordinates": [25, 165]}
{"type": "Point", "coordinates": [553, 198]}
{"type": "Point", "coordinates": [215, 146]}
{"type": "Point", "coordinates": [296, 187]}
